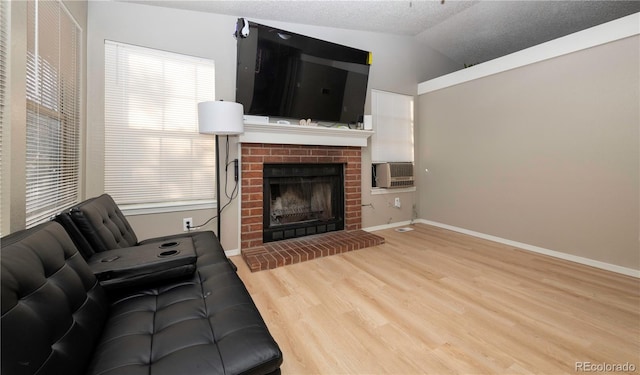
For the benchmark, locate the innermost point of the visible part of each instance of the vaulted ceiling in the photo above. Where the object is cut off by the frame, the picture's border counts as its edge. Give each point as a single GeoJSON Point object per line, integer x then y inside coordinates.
{"type": "Point", "coordinates": [467, 32]}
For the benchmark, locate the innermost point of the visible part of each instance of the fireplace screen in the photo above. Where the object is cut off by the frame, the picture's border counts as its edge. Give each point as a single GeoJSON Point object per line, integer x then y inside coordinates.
{"type": "Point", "coordinates": [301, 200]}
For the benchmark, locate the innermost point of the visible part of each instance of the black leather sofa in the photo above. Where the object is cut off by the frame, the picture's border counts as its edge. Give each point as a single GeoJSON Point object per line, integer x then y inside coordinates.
{"type": "Point", "coordinates": [97, 225]}
{"type": "Point", "coordinates": [58, 319]}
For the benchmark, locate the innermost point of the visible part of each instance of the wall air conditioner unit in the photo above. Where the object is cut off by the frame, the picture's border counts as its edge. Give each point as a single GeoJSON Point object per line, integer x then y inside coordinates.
{"type": "Point", "coordinates": [394, 175]}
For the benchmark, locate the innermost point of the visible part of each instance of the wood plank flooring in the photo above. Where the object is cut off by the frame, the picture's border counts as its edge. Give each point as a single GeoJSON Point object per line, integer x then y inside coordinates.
{"type": "Point", "coordinates": [432, 301]}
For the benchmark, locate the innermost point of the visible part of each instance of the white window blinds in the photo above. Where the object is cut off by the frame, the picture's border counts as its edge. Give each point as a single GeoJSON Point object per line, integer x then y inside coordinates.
{"type": "Point", "coordinates": [3, 84]}
{"type": "Point", "coordinates": [154, 154]}
{"type": "Point", "coordinates": [53, 110]}
{"type": "Point", "coordinates": [392, 116]}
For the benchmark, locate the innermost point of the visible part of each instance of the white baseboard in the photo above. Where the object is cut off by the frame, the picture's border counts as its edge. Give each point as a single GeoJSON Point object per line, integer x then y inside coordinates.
{"type": "Point", "coordinates": [556, 254]}
{"type": "Point", "coordinates": [387, 226]}
{"type": "Point", "coordinates": [233, 252]}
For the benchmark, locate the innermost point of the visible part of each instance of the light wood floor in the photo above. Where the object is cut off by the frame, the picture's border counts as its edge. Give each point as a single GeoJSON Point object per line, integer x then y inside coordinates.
{"type": "Point", "coordinates": [433, 301]}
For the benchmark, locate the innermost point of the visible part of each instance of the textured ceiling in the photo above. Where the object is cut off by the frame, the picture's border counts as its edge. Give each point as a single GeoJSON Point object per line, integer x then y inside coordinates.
{"type": "Point", "coordinates": [468, 32]}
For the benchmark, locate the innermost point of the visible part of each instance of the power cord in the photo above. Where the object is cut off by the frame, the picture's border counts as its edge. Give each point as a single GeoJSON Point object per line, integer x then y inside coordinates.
{"type": "Point", "coordinates": [234, 192]}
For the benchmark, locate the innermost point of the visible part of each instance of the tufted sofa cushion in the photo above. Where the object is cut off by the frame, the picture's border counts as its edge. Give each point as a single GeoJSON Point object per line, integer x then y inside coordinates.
{"type": "Point", "coordinates": [56, 319]}
{"type": "Point", "coordinates": [53, 308]}
{"type": "Point", "coordinates": [103, 224]}
{"type": "Point", "coordinates": [231, 338]}
{"type": "Point", "coordinates": [207, 325]}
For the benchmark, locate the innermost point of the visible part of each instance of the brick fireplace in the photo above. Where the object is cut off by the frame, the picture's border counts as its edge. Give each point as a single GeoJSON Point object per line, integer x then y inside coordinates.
{"type": "Point", "coordinates": [253, 158]}
{"type": "Point", "coordinates": [255, 155]}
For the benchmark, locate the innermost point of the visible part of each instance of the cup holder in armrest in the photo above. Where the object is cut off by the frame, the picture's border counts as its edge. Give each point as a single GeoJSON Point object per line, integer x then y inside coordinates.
{"type": "Point", "coordinates": [167, 245]}
{"type": "Point", "coordinates": [168, 253]}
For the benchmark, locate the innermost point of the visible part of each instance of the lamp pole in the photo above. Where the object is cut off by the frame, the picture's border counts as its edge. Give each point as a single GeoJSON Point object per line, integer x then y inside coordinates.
{"type": "Point", "coordinates": [218, 186]}
{"type": "Point", "coordinates": [220, 118]}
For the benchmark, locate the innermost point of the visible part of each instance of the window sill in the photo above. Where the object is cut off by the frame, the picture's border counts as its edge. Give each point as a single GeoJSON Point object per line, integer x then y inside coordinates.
{"type": "Point", "coordinates": [381, 191]}
{"type": "Point", "coordinates": [165, 207]}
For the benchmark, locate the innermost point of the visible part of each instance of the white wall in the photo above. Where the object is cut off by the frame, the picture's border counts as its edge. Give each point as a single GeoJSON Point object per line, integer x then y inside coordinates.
{"type": "Point", "coordinates": [398, 64]}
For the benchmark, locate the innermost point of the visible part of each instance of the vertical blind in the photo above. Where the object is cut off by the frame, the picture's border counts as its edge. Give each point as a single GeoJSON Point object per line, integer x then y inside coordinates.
{"type": "Point", "coordinates": [53, 110]}
{"type": "Point", "coordinates": [3, 84]}
{"type": "Point", "coordinates": [154, 155]}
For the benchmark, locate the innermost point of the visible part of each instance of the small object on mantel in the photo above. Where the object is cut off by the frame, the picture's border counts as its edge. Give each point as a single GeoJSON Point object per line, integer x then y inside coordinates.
{"type": "Point", "coordinates": [308, 122]}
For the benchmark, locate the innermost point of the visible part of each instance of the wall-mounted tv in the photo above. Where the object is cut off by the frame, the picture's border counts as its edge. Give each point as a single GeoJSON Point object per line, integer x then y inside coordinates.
{"type": "Point", "coordinates": [287, 75]}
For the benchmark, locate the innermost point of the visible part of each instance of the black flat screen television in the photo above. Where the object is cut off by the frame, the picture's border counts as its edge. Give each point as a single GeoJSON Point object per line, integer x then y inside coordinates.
{"type": "Point", "coordinates": [281, 74]}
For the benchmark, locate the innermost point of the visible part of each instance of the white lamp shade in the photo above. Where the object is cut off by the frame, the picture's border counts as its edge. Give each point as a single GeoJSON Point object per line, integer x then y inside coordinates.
{"type": "Point", "coordinates": [220, 117]}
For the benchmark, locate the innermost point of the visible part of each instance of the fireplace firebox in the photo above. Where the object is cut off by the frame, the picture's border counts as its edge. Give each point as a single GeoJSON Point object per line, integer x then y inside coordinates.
{"type": "Point", "coordinates": [302, 199]}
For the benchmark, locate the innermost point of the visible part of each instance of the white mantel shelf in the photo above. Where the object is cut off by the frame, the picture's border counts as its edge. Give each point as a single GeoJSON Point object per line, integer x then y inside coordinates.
{"type": "Point", "coordinates": [303, 135]}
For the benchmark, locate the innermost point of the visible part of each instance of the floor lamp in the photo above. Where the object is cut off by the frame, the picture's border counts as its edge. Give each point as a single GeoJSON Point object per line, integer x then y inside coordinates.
{"type": "Point", "coordinates": [220, 118]}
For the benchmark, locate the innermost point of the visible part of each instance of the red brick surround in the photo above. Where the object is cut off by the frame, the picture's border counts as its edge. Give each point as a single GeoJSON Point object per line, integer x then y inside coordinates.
{"type": "Point", "coordinates": [254, 155]}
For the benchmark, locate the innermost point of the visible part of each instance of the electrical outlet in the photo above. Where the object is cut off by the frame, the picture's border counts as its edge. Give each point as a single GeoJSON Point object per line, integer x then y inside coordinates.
{"type": "Point", "coordinates": [187, 224]}
{"type": "Point", "coordinates": [396, 202]}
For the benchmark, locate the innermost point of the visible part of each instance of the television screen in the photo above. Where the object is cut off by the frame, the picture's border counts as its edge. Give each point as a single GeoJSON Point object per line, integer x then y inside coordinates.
{"type": "Point", "coordinates": [286, 75]}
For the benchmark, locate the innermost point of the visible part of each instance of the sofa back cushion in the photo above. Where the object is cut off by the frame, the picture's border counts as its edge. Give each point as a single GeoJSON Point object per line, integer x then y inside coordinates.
{"type": "Point", "coordinates": [84, 247]}
{"type": "Point", "coordinates": [53, 309]}
{"type": "Point", "coordinates": [103, 225]}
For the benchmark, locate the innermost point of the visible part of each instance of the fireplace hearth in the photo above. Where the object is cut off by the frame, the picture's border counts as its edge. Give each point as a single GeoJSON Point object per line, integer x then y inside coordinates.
{"type": "Point", "coordinates": [302, 200]}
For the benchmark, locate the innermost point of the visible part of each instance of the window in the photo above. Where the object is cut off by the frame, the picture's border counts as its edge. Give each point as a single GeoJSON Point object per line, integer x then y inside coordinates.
{"type": "Point", "coordinates": [53, 110]}
{"type": "Point", "coordinates": [392, 116]}
{"type": "Point", "coordinates": [3, 83]}
{"type": "Point", "coordinates": [154, 155]}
